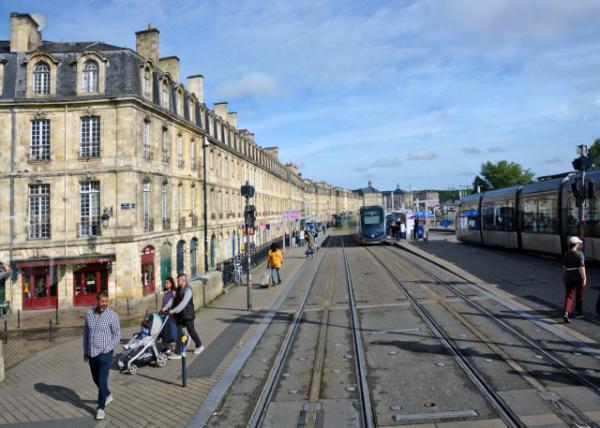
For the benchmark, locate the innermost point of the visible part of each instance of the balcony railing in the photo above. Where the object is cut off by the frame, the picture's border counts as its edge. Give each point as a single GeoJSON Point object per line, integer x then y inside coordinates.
{"type": "Point", "coordinates": [194, 220]}
{"type": "Point", "coordinates": [166, 223]}
{"type": "Point", "coordinates": [40, 156]}
{"type": "Point", "coordinates": [148, 224]}
{"type": "Point", "coordinates": [180, 163]}
{"type": "Point", "coordinates": [193, 165]}
{"type": "Point", "coordinates": [89, 228]}
{"type": "Point", "coordinates": [38, 231]}
{"type": "Point", "coordinates": [148, 155]}
{"type": "Point", "coordinates": [213, 216]}
{"type": "Point", "coordinates": [165, 157]}
{"type": "Point", "coordinates": [89, 154]}
{"type": "Point", "coordinates": [181, 222]}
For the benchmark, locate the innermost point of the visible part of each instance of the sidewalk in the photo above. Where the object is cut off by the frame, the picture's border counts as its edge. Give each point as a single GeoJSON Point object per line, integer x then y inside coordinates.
{"type": "Point", "coordinates": [54, 387]}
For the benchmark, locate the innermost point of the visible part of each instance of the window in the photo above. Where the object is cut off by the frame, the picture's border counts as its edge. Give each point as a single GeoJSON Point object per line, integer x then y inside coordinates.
{"type": "Point", "coordinates": [179, 152]}
{"type": "Point", "coordinates": [192, 112]}
{"type": "Point", "coordinates": [192, 198]}
{"type": "Point", "coordinates": [165, 146]}
{"type": "Point", "coordinates": [591, 214]}
{"type": "Point", "coordinates": [212, 160]}
{"type": "Point", "coordinates": [165, 94]}
{"type": "Point", "coordinates": [146, 207]}
{"type": "Point", "coordinates": [540, 214]}
{"type": "Point", "coordinates": [193, 154]}
{"type": "Point", "coordinates": [147, 148]}
{"type": "Point", "coordinates": [147, 84]}
{"type": "Point", "coordinates": [89, 192]}
{"type": "Point", "coordinates": [179, 202]}
{"type": "Point", "coordinates": [178, 104]}
{"type": "Point", "coordinates": [90, 76]}
{"type": "Point", "coordinates": [39, 148]}
{"type": "Point", "coordinates": [498, 216]}
{"type": "Point", "coordinates": [90, 137]}
{"type": "Point", "coordinates": [41, 78]}
{"type": "Point", "coordinates": [163, 204]}
{"type": "Point", "coordinates": [39, 211]}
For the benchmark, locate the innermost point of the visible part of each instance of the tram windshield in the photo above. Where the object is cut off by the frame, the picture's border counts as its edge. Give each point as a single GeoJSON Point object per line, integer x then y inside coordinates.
{"type": "Point", "coordinates": [371, 218]}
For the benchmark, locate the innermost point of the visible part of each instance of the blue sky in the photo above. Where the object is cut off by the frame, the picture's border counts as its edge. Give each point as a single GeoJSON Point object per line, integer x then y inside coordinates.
{"type": "Point", "coordinates": [416, 92]}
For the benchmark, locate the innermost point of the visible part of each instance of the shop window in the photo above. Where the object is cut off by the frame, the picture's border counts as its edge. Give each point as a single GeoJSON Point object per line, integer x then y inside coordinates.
{"type": "Point", "coordinates": [40, 288]}
{"type": "Point", "coordinates": [88, 281]}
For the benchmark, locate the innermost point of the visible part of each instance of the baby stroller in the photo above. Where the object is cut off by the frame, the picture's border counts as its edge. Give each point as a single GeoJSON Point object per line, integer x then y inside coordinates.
{"type": "Point", "coordinates": [144, 350]}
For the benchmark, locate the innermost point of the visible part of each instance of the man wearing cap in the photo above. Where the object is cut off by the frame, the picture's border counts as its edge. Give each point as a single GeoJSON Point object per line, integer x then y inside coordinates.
{"type": "Point", "coordinates": [574, 278]}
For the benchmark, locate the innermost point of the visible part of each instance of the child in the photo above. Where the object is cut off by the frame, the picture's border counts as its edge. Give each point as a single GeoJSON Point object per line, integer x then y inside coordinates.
{"type": "Point", "coordinates": [139, 336]}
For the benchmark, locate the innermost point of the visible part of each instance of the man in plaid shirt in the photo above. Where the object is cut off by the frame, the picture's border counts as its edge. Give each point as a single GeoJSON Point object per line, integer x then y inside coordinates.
{"type": "Point", "coordinates": [101, 334]}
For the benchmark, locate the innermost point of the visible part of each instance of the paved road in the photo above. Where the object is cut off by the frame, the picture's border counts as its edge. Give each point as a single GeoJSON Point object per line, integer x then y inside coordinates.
{"type": "Point", "coordinates": [357, 336]}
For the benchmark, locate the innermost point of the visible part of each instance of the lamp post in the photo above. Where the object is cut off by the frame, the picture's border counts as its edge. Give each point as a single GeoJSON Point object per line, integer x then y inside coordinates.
{"type": "Point", "coordinates": [247, 192]}
{"type": "Point", "coordinates": [204, 146]}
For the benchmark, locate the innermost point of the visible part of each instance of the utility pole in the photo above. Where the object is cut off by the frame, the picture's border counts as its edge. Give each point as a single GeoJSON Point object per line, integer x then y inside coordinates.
{"type": "Point", "coordinates": [205, 204]}
{"type": "Point", "coordinates": [582, 189]}
{"type": "Point", "coordinates": [247, 192]}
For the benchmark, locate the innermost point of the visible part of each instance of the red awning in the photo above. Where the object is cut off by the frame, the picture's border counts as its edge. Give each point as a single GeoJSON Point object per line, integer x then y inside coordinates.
{"type": "Point", "coordinates": [64, 261]}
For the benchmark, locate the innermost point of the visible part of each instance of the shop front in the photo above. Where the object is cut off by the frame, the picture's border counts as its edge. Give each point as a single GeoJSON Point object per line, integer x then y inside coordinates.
{"type": "Point", "coordinates": [148, 270]}
{"type": "Point", "coordinates": [41, 279]}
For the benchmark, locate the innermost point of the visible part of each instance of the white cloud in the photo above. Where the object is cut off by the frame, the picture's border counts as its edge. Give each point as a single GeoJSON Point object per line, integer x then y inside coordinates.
{"type": "Point", "coordinates": [421, 155]}
{"type": "Point", "coordinates": [386, 163]}
{"type": "Point", "coordinates": [253, 84]}
{"type": "Point", "coordinates": [470, 150]}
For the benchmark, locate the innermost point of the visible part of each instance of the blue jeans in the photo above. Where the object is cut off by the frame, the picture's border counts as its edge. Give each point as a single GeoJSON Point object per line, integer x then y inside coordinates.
{"type": "Point", "coordinates": [275, 274]}
{"type": "Point", "coordinates": [100, 367]}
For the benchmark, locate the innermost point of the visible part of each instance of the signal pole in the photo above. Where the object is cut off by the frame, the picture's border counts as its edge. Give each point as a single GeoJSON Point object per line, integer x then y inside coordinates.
{"type": "Point", "coordinates": [582, 190]}
{"type": "Point", "coordinates": [247, 192]}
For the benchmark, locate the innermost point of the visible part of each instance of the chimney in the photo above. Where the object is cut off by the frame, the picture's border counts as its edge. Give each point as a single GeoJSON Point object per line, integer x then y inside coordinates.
{"type": "Point", "coordinates": [250, 136]}
{"type": "Point", "coordinates": [24, 33]}
{"type": "Point", "coordinates": [221, 110]}
{"type": "Point", "coordinates": [273, 151]}
{"type": "Point", "coordinates": [232, 119]}
{"type": "Point", "coordinates": [146, 44]}
{"type": "Point", "coordinates": [196, 86]}
{"type": "Point", "coordinates": [170, 64]}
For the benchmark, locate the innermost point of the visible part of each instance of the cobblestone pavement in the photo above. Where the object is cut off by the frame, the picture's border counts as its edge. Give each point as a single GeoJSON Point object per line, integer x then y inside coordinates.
{"type": "Point", "coordinates": [53, 387]}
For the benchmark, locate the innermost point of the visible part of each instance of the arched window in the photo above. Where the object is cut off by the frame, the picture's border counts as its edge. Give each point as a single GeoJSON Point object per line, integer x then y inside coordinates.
{"type": "Point", "coordinates": [90, 76]}
{"type": "Point", "coordinates": [41, 78]}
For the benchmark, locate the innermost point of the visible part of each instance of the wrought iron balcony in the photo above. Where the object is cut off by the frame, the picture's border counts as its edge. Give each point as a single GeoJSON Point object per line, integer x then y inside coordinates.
{"type": "Point", "coordinates": [89, 228]}
{"type": "Point", "coordinates": [148, 224]}
{"type": "Point", "coordinates": [166, 223]}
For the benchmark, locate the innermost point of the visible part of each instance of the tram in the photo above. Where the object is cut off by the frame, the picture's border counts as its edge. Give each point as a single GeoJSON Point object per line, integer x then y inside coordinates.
{"type": "Point", "coordinates": [371, 225]}
{"type": "Point", "coordinates": [537, 217]}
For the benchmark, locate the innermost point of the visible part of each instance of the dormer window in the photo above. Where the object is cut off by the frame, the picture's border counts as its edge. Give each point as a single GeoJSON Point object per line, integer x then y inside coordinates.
{"type": "Point", "coordinates": [147, 82]}
{"type": "Point", "coordinates": [41, 78]}
{"type": "Point", "coordinates": [90, 76]}
{"type": "Point", "coordinates": [165, 94]}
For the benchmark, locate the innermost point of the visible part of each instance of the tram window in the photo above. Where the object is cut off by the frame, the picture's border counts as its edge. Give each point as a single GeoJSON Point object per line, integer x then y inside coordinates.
{"type": "Point", "coordinates": [591, 214]}
{"type": "Point", "coordinates": [540, 214]}
{"type": "Point", "coordinates": [468, 218]}
{"type": "Point", "coordinates": [371, 217]}
{"type": "Point", "coordinates": [499, 216]}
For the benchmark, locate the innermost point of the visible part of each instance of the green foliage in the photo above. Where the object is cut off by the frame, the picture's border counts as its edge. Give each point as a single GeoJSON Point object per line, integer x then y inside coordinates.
{"type": "Point", "coordinates": [594, 152]}
{"type": "Point", "coordinates": [481, 184]}
{"type": "Point", "coordinates": [502, 174]}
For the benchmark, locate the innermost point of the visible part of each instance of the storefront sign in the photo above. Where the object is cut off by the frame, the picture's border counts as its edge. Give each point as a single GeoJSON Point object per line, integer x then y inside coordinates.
{"type": "Point", "coordinates": [291, 215]}
{"type": "Point", "coordinates": [124, 206]}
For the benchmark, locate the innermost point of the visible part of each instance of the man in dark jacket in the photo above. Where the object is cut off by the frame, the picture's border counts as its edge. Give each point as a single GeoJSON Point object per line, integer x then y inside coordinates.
{"type": "Point", "coordinates": [185, 313]}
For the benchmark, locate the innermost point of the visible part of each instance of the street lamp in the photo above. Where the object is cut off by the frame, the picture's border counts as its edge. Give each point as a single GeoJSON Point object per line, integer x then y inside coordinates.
{"type": "Point", "coordinates": [204, 146]}
{"type": "Point", "coordinates": [105, 217]}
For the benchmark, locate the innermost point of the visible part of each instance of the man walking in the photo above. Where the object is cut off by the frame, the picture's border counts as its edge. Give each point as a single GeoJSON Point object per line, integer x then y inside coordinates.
{"type": "Point", "coordinates": [275, 260]}
{"type": "Point", "coordinates": [101, 333]}
{"type": "Point", "coordinates": [185, 314]}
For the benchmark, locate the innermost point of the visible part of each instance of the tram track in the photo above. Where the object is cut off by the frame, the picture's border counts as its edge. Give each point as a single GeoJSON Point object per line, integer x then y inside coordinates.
{"type": "Point", "coordinates": [563, 408]}
{"type": "Point", "coordinates": [312, 413]}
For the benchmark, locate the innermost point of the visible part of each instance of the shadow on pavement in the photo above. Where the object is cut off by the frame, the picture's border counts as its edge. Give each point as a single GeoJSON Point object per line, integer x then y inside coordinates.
{"type": "Point", "coordinates": [62, 393]}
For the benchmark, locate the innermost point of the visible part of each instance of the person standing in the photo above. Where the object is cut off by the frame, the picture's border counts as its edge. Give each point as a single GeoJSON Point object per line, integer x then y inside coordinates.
{"type": "Point", "coordinates": [185, 314]}
{"type": "Point", "coordinates": [301, 234]}
{"type": "Point", "coordinates": [310, 239]}
{"type": "Point", "coordinates": [574, 277]}
{"type": "Point", "coordinates": [101, 333]}
{"type": "Point", "coordinates": [169, 332]}
{"type": "Point", "coordinates": [402, 230]}
{"type": "Point", "coordinates": [274, 262]}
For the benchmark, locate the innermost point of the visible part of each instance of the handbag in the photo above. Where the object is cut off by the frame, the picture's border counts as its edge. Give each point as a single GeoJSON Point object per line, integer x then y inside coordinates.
{"type": "Point", "coordinates": [266, 278]}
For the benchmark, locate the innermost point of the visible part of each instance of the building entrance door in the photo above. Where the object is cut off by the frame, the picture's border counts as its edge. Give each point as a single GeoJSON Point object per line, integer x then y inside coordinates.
{"type": "Point", "coordinates": [40, 288]}
{"type": "Point", "coordinates": [88, 282]}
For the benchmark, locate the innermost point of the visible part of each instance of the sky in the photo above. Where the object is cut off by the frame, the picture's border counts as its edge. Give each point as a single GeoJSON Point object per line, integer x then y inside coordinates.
{"type": "Point", "coordinates": [415, 93]}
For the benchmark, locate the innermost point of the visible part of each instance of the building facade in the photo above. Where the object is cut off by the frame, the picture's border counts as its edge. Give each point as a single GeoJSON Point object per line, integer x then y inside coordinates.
{"type": "Point", "coordinates": [103, 155]}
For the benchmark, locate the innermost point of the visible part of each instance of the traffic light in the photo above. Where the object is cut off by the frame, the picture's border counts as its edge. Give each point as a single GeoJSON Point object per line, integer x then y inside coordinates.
{"type": "Point", "coordinates": [582, 163]}
{"type": "Point", "coordinates": [249, 216]}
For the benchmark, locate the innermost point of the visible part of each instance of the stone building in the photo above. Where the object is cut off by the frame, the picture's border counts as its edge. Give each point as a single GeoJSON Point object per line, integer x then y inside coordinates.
{"type": "Point", "coordinates": [103, 153]}
{"type": "Point", "coordinates": [369, 195]}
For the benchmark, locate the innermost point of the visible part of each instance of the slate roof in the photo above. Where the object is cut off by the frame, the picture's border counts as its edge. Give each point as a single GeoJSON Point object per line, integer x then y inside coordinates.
{"type": "Point", "coordinates": [68, 47]}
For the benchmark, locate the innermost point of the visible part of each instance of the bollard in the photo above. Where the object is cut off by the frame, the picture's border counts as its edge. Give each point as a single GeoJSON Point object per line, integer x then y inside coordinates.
{"type": "Point", "coordinates": [5, 332]}
{"type": "Point", "coordinates": [156, 300]}
{"type": "Point", "coordinates": [127, 306]}
{"type": "Point", "coordinates": [19, 319]}
{"type": "Point", "coordinates": [50, 338]}
{"type": "Point", "coordinates": [57, 323]}
{"type": "Point", "coordinates": [183, 365]}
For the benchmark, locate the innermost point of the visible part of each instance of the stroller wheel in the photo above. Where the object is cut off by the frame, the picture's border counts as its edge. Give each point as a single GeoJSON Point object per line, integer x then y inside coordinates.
{"type": "Point", "coordinates": [133, 369]}
{"type": "Point", "coordinates": [161, 360]}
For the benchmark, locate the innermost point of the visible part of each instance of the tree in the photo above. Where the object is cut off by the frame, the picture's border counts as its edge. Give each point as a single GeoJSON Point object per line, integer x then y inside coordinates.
{"type": "Point", "coordinates": [481, 184]}
{"type": "Point", "coordinates": [502, 174]}
{"type": "Point", "coordinates": [594, 152]}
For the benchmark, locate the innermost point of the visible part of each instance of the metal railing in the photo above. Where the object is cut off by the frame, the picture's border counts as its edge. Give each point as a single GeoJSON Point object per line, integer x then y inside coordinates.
{"type": "Point", "coordinates": [182, 222]}
{"type": "Point", "coordinates": [89, 228]}
{"type": "Point", "coordinates": [148, 224]}
{"type": "Point", "coordinates": [166, 223]}
{"type": "Point", "coordinates": [237, 266]}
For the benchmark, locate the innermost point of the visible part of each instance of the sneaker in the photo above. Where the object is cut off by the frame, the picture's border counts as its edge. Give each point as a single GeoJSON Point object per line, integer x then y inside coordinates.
{"type": "Point", "coordinates": [578, 316]}
{"type": "Point", "coordinates": [279, 282]}
{"type": "Point", "coordinates": [199, 350]}
{"type": "Point", "coordinates": [566, 318]}
{"type": "Point", "coordinates": [108, 400]}
{"type": "Point", "coordinates": [100, 414]}
{"type": "Point", "coordinates": [174, 357]}
{"type": "Point", "coordinates": [168, 352]}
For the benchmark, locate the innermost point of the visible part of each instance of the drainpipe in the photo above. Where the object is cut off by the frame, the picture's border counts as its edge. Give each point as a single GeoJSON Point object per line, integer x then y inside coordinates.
{"type": "Point", "coordinates": [65, 179]}
{"type": "Point", "coordinates": [13, 167]}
